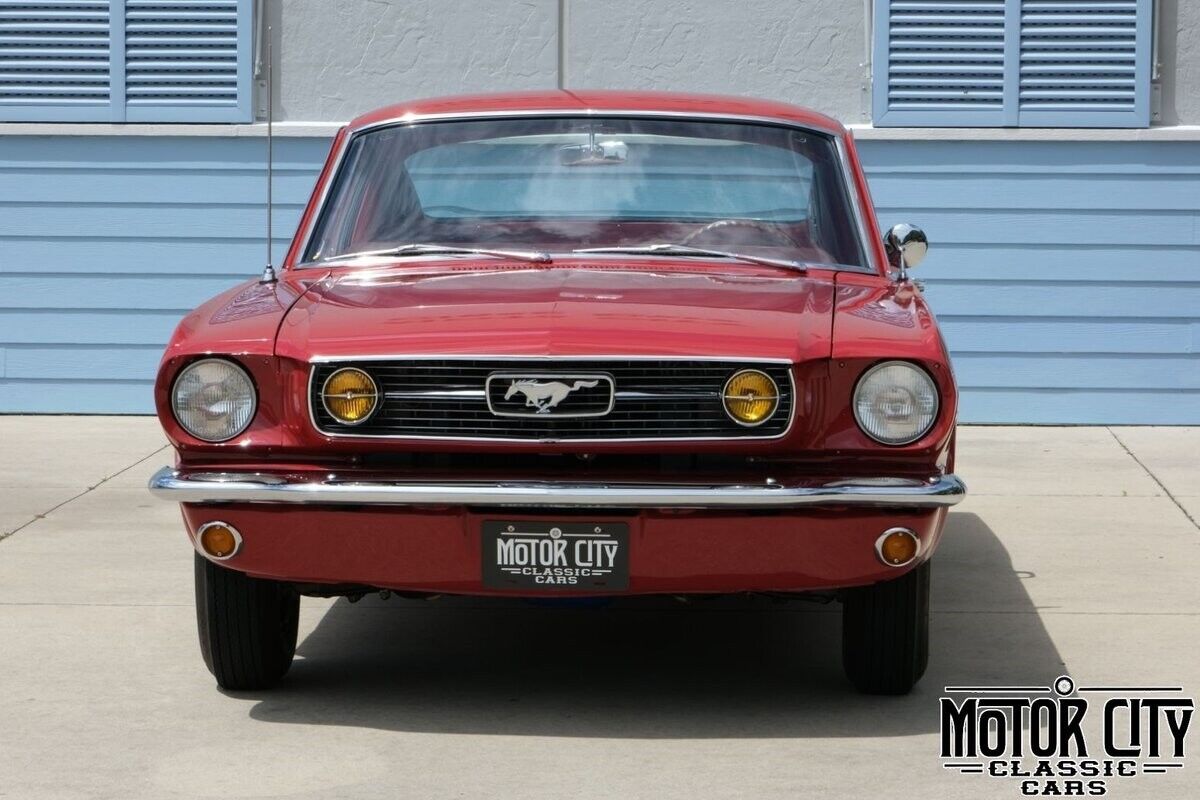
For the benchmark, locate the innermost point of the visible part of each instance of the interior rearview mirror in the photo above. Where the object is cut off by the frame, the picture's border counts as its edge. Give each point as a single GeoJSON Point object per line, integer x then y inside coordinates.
{"type": "Point", "coordinates": [598, 152]}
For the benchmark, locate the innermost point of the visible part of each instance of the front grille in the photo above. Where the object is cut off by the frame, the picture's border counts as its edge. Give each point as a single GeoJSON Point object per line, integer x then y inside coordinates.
{"type": "Point", "coordinates": [651, 399]}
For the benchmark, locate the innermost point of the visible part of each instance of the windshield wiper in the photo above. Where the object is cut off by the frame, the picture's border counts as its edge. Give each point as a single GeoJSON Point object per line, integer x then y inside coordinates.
{"type": "Point", "coordinates": [417, 249]}
{"type": "Point", "coordinates": [671, 249]}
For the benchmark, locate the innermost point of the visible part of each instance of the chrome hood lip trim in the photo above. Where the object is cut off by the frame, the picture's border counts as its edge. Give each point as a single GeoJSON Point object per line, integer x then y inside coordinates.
{"type": "Point", "coordinates": [259, 487]}
{"type": "Point", "coordinates": [539, 357]}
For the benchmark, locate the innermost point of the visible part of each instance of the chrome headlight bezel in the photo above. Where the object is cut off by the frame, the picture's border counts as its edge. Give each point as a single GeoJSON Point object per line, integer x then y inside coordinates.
{"type": "Point", "coordinates": [250, 394]}
{"type": "Point", "coordinates": [872, 431]}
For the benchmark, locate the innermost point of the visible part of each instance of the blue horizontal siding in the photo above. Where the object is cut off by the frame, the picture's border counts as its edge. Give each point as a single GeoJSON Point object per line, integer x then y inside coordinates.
{"type": "Point", "coordinates": [1000, 158]}
{"type": "Point", "coordinates": [1066, 276]}
{"type": "Point", "coordinates": [1113, 263]}
{"type": "Point", "coordinates": [1099, 371]}
{"type": "Point", "coordinates": [98, 362]}
{"type": "Point", "coordinates": [186, 255]}
{"type": "Point", "coordinates": [1021, 191]}
{"type": "Point", "coordinates": [108, 241]}
{"type": "Point", "coordinates": [124, 326]}
{"type": "Point", "coordinates": [139, 221]}
{"type": "Point", "coordinates": [71, 185]}
{"type": "Point", "coordinates": [997, 227]}
{"type": "Point", "coordinates": [109, 292]}
{"type": "Point", "coordinates": [1040, 406]}
{"type": "Point", "coordinates": [1036, 333]}
{"type": "Point", "coordinates": [73, 396]}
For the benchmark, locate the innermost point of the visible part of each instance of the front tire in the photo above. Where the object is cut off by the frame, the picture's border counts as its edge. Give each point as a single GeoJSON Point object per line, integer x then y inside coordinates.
{"type": "Point", "coordinates": [247, 626]}
{"type": "Point", "coordinates": [885, 633]}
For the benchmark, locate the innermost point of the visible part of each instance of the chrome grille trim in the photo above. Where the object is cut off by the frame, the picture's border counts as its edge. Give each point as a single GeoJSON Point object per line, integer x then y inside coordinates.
{"type": "Point", "coordinates": [706, 380]}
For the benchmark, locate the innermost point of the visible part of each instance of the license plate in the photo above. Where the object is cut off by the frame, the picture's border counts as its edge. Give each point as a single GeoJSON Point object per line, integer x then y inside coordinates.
{"type": "Point", "coordinates": [556, 555]}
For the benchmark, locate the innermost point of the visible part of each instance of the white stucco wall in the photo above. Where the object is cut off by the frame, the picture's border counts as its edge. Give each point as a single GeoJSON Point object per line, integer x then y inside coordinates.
{"type": "Point", "coordinates": [338, 58]}
{"type": "Point", "coordinates": [808, 52]}
{"type": "Point", "coordinates": [1179, 54]}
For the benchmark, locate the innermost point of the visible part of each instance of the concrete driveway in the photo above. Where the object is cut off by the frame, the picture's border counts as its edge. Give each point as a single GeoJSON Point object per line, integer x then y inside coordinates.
{"type": "Point", "coordinates": [1077, 552]}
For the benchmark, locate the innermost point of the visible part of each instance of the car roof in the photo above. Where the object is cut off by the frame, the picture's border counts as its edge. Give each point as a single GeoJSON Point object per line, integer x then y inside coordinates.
{"type": "Point", "coordinates": [562, 101]}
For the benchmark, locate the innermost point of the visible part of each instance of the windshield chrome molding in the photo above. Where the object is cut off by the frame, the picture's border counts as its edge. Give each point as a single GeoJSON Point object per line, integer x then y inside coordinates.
{"type": "Point", "coordinates": [837, 135]}
{"type": "Point", "coordinates": [543, 359]}
{"type": "Point", "coordinates": [856, 207]}
{"type": "Point", "coordinates": [408, 119]}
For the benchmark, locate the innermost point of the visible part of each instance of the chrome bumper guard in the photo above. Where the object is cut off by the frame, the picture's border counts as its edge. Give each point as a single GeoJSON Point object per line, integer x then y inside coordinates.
{"type": "Point", "coordinates": [258, 487]}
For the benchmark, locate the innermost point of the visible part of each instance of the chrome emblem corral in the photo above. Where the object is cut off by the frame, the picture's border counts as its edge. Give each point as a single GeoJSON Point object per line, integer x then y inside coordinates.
{"type": "Point", "coordinates": [512, 395]}
{"type": "Point", "coordinates": [545, 396]}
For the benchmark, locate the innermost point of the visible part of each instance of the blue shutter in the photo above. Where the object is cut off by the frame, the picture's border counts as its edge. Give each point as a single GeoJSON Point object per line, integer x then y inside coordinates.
{"type": "Point", "coordinates": [991, 63]}
{"type": "Point", "coordinates": [126, 60]}
{"type": "Point", "coordinates": [939, 62]}
{"type": "Point", "coordinates": [54, 61]}
{"type": "Point", "coordinates": [188, 60]}
{"type": "Point", "coordinates": [1085, 64]}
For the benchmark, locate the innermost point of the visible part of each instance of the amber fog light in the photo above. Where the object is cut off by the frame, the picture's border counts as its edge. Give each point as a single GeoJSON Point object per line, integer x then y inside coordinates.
{"type": "Point", "coordinates": [219, 540]}
{"type": "Point", "coordinates": [350, 396]}
{"type": "Point", "coordinates": [897, 547]}
{"type": "Point", "coordinates": [751, 397]}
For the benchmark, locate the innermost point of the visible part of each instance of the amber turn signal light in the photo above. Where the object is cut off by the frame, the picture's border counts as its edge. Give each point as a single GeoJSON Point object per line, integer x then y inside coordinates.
{"type": "Point", "coordinates": [350, 396]}
{"type": "Point", "coordinates": [218, 540]}
{"type": "Point", "coordinates": [751, 397]}
{"type": "Point", "coordinates": [897, 547]}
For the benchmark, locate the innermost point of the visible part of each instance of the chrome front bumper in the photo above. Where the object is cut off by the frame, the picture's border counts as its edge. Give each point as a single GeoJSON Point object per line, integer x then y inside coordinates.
{"type": "Point", "coordinates": [258, 487]}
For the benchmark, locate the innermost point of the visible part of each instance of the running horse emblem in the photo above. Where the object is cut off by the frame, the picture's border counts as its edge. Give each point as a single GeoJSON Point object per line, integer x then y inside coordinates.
{"type": "Point", "coordinates": [547, 395]}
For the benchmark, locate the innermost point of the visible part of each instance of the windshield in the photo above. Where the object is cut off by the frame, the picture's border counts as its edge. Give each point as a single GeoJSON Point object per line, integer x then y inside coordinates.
{"type": "Point", "coordinates": [560, 184]}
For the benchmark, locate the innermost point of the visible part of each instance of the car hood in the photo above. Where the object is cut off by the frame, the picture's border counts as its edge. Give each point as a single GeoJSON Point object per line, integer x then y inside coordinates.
{"type": "Point", "coordinates": [647, 309]}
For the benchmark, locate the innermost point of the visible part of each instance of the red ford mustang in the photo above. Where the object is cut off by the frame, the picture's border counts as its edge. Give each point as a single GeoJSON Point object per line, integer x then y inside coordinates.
{"type": "Point", "coordinates": [570, 344]}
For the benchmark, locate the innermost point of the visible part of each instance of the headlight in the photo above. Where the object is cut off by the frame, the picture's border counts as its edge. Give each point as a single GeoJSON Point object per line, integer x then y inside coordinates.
{"type": "Point", "coordinates": [213, 399]}
{"type": "Point", "coordinates": [751, 397]}
{"type": "Point", "coordinates": [895, 402]}
{"type": "Point", "coordinates": [350, 396]}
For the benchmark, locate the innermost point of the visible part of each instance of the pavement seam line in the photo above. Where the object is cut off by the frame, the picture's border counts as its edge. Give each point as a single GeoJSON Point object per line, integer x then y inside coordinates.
{"type": "Point", "coordinates": [88, 490]}
{"type": "Point", "coordinates": [1154, 478]}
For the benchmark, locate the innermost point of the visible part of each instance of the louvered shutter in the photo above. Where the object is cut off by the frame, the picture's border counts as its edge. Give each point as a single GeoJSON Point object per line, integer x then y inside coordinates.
{"type": "Point", "coordinates": [939, 62]}
{"type": "Point", "coordinates": [126, 60]}
{"type": "Point", "coordinates": [187, 60]}
{"type": "Point", "coordinates": [1085, 64]}
{"type": "Point", "coordinates": [985, 63]}
{"type": "Point", "coordinates": [54, 60]}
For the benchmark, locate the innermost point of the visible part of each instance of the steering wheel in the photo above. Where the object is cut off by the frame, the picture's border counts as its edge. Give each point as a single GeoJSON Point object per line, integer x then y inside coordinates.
{"type": "Point", "coordinates": [723, 224]}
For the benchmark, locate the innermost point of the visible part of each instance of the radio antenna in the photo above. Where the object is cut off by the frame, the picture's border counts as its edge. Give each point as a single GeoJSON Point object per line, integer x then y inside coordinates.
{"type": "Point", "coordinates": [268, 275]}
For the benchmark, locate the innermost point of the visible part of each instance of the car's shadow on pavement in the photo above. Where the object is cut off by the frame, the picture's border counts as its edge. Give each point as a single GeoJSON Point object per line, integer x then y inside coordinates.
{"type": "Point", "coordinates": [651, 668]}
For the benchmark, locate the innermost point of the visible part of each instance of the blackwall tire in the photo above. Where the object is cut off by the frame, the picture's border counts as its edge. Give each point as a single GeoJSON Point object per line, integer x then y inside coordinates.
{"type": "Point", "coordinates": [247, 626]}
{"type": "Point", "coordinates": [885, 633]}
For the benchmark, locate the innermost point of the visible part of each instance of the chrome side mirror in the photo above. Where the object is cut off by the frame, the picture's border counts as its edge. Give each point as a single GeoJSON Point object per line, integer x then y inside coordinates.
{"type": "Point", "coordinates": [906, 247]}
